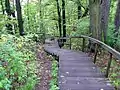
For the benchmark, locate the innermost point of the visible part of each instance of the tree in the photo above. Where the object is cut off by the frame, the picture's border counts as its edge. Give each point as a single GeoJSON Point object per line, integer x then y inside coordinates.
{"type": "Point", "coordinates": [59, 17]}
{"type": "Point", "coordinates": [86, 12]}
{"type": "Point", "coordinates": [79, 9]}
{"type": "Point", "coordinates": [28, 14]}
{"type": "Point", "coordinates": [94, 7]}
{"type": "Point", "coordinates": [8, 11]}
{"type": "Point", "coordinates": [63, 18]}
{"type": "Point", "coordinates": [19, 17]}
{"type": "Point", "coordinates": [7, 7]}
{"type": "Point", "coordinates": [104, 15]}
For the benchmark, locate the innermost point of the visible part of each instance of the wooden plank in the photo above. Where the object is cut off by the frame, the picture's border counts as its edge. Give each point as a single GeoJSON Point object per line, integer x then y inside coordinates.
{"type": "Point", "coordinates": [85, 87]}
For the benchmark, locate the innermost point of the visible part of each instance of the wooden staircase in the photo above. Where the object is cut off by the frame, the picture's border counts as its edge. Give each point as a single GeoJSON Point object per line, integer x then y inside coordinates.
{"type": "Point", "coordinates": [76, 69]}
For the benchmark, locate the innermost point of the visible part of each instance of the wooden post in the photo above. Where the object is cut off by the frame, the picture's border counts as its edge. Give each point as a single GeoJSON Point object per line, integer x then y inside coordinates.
{"type": "Point", "coordinates": [70, 43]}
{"type": "Point", "coordinates": [96, 51]}
{"type": "Point", "coordinates": [109, 64]}
{"type": "Point", "coordinates": [83, 47]}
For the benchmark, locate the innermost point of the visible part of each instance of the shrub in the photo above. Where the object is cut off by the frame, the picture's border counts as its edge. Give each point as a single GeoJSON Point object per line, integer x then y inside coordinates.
{"type": "Point", "coordinates": [17, 63]}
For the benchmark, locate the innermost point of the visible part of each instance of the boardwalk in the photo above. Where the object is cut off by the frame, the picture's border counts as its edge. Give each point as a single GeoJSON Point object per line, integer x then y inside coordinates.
{"type": "Point", "coordinates": [76, 70]}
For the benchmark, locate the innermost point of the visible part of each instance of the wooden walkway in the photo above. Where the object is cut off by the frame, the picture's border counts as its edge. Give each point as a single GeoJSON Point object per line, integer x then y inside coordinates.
{"type": "Point", "coordinates": [76, 70]}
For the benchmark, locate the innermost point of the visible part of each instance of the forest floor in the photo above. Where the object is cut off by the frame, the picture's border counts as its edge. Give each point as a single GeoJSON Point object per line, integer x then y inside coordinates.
{"type": "Point", "coordinates": [102, 62]}
{"type": "Point", "coordinates": [44, 63]}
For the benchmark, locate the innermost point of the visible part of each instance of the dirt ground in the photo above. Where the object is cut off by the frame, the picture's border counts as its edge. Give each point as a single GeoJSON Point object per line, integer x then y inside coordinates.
{"type": "Point", "coordinates": [43, 69]}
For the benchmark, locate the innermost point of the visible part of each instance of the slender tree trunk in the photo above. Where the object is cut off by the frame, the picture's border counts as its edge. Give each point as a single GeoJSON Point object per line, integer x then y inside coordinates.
{"type": "Point", "coordinates": [59, 17]}
{"type": "Point", "coordinates": [13, 11]}
{"type": "Point", "coordinates": [8, 11]}
{"type": "Point", "coordinates": [7, 7]}
{"type": "Point", "coordinates": [19, 17]}
{"type": "Point", "coordinates": [28, 15]}
{"type": "Point", "coordinates": [79, 12]}
{"type": "Point", "coordinates": [104, 15]}
{"type": "Point", "coordinates": [2, 7]}
{"type": "Point", "coordinates": [40, 16]}
{"type": "Point", "coordinates": [86, 12]}
{"type": "Point", "coordinates": [117, 20]}
{"type": "Point", "coordinates": [64, 18]}
{"type": "Point", "coordinates": [79, 9]}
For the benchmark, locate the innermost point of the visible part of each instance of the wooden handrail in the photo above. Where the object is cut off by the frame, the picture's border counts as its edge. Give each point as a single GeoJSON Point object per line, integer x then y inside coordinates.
{"type": "Point", "coordinates": [112, 51]}
{"type": "Point", "coordinates": [102, 44]}
{"type": "Point", "coordinates": [105, 46]}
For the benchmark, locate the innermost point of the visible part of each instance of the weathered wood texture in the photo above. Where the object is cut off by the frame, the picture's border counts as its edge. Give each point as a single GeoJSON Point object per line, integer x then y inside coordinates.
{"type": "Point", "coordinates": [76, 70]}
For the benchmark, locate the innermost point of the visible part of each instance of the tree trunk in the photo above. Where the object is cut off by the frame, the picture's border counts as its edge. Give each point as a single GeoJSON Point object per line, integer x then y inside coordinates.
{"type": "Point", "coordinates": [63, 18]}
{"type": "Point", "coordinates": [19, 17]}
{"type": "Point", "coordinates": [28, 15]}
{"type": "Point", "coordinates": [2, 7]}
{"type": "Point", "coordinates": [79, 12]}
{"type": "Point", "coordinates": [7, 7]}
{"type": "Point", "coordinates": [117, 19]}
{"type": "Point", "coordinates": [94, 6]}
{"type": "Point", "coordinates": [59, 17]}
{"type": "Point", "coordinates": [86, 12]}
{"type": "Point", "coordinates": [104, 15]}
{"type": "Point", "coordinates": [79, 9]}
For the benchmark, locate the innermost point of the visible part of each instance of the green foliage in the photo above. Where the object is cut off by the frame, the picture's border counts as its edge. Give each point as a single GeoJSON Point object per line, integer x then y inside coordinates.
{"type": "Point", "coordinates": [2, 23]}
{"type": "Point", "coordinates": [110, 35]}
{"type": "Point", "coordinates": [111, 39]}
{"type": "Point", "coordinates": [54, 80]}
{"type": "Point", "coordinates": [114, 75]}
{"type": "Point", "coordinates": [17, 63]}
{"type": "Point", "coordinates": [82, 27]}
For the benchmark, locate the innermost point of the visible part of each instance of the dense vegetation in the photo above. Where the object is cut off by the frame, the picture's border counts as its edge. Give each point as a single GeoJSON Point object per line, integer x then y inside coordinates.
{"type": "Point", "coordinates": [17, 63]}
{"type": "Point", "coordinates": [25, 22]}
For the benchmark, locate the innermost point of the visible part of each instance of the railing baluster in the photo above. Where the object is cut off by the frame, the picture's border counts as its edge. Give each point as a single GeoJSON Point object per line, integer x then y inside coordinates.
{"type": "Point", "coordinates": [96, 51]}
{"type": "Point", "coordinates": [109, 64]}
{"type": "Point", "coordinates": [83, 47]}
{"type": "Point", "coordinates": [70, 43]}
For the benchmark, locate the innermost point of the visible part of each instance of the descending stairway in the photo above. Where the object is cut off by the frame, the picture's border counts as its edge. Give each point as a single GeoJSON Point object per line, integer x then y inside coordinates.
{"type": "Point", "coordinates": [76, 69]}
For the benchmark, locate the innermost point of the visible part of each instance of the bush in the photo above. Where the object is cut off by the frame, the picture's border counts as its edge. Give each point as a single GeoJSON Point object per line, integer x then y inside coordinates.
{"type": "Point", "coordinates": [17, 63]}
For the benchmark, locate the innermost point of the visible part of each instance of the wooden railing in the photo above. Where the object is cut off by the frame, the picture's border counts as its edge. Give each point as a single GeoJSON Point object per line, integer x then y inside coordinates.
{"type": "Point", "coordinates": [98, 44]}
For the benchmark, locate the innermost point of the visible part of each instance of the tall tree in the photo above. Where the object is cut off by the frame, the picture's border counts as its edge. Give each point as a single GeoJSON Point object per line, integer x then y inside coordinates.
{"type": "Point", "coordinates": [19, 17]}
{"type": "Point", "coordinates": [94, 7]}
{"type": "Point", "coordinates": [59, 17]}
{"type": "Point", "coordinates": [7, 7]}
{"type": "Point", "coordinates": [117, 19]}
{"type": "Point", "coordinates": [28, 15]}
{"type": "Point", "coordinates": [104, 15]}
{"type": "Point", "coordinates": [79, 9]}
{"type": "Point", "coordinates": [8, 11]}
{"type": "Point", "coordinates": [86, 12]}
{"type": "Point", "coordinates": [63, 18]}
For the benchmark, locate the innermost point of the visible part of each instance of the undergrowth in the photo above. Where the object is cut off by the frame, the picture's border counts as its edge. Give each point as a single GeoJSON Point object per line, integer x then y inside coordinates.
{"type": "Point", "coordinates": [17, 63]}
{"type": "Point", "coordinates": [54, 73]}
{"type": "Point", "coordinates": [114, 75]}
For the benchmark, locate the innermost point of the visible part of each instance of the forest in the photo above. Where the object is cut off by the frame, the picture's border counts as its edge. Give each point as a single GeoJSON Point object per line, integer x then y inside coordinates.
{"type": "Point", "coordinates": [25, 25]}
